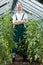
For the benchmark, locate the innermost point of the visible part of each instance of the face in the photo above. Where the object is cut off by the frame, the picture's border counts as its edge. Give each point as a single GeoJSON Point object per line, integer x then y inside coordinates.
{"type": "Point", "coordinates": [19, 7]}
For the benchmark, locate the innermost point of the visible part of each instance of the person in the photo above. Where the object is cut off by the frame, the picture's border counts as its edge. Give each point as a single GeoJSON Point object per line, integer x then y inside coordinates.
{"type": "Point", "coordinates": [19, 18]}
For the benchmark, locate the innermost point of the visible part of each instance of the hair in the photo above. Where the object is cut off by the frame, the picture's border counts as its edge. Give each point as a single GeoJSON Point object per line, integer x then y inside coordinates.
{"type": "Point", "coordinates": [18, 3]}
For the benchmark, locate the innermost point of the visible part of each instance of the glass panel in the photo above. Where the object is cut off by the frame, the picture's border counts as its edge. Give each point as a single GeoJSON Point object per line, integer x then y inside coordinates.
{"type": "Point", "coordinates": [41, 1]}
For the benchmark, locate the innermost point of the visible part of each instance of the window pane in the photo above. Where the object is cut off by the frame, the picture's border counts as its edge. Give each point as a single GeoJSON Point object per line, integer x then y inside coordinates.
{"type": "Point", "coordinates": [41, 1]}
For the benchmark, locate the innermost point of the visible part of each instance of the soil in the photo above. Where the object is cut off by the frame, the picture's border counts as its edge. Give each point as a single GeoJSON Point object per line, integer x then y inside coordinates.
{"type": "Point", "coordinates": [19, 61]}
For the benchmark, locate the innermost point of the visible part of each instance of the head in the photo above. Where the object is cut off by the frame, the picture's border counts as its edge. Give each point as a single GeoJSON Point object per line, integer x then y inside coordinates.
{"type": "Point", "coordinates": [19, 7]}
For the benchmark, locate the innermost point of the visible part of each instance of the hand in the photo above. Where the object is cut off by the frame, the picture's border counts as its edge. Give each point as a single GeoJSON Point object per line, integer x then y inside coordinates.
{"type": "Point", "coordinates": [17, 23]}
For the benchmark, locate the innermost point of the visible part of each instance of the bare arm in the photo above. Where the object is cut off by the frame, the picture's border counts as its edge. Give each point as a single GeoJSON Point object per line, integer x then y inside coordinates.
{"type": "Point", "coordinates": [23, 21]}
{"type": "Point", "coordinates": [17, 22]}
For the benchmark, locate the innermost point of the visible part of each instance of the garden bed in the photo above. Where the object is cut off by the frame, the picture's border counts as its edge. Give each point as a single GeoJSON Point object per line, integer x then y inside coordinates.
{"type": "Point", "coordinates": [19, 61]}
{"type": "Point", "coordinates": [33, 47]}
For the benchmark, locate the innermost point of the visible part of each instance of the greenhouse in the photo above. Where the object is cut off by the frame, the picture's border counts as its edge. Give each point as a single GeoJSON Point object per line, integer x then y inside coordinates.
{"type": "Point", "coordinates": [21, 32]}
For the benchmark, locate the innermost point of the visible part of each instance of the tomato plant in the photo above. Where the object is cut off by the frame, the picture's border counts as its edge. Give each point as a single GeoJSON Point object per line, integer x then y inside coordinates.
{"type": "Point", "coordinates": [34, 39]}
{"type": "Point", "coordinates": [6, 38]}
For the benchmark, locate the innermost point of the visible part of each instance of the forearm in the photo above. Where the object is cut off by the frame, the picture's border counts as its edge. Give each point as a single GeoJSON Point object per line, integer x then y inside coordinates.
{"type": "Point", "coordinates": [24, 21]}
{"type": "Point", "coordinates": [17, 22]}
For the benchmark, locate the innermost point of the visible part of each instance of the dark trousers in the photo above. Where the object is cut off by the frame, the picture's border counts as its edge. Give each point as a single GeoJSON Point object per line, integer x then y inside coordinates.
{"type": "Point", "coordinates": [18, 37]}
